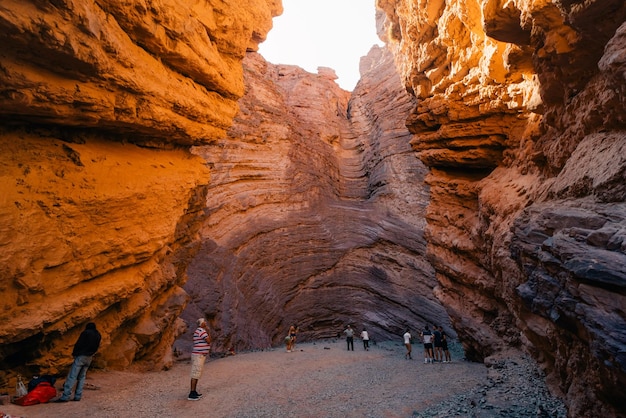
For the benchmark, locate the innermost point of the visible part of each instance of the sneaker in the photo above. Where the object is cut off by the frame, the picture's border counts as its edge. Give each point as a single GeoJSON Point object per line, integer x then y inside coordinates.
{"type": "Point", "coordinates": [194, 396]}
{"type": "Point", "coordinates": [425, 361]}
{"type": "Point", "coordinates": [60, 400]}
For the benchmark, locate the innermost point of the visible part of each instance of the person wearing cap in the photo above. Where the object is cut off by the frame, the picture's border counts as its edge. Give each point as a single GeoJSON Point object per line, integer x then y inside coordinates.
{"type": "Point", "coordinates": [86, 346]}
{"type": "Point", "coordinates": [201, 348]}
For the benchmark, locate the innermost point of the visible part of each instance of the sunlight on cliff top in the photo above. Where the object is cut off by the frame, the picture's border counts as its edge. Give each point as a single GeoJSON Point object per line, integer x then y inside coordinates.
{"type": "Point", "coordinates": [323, 33]}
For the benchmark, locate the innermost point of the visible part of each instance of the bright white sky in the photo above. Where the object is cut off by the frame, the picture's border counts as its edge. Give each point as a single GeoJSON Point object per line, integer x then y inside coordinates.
{"type": "Point", "coordinates": [323, 33]}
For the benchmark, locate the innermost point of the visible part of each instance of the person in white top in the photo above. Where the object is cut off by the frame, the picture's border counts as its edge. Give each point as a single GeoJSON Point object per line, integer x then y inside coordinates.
{"type": "Point", "coordinates": [427, 336]}
{"type": "Point", "coordinates": [366, 339]}
{"type": "Point", "coordinates": [407, 344]}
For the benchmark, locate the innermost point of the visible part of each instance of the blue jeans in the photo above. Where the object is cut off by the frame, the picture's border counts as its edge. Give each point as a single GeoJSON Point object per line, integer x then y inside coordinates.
{"type": "Point", "coordinates": [78, 372]}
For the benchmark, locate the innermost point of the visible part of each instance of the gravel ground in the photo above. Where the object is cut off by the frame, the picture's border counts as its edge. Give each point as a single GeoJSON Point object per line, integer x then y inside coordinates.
{"type": "Point", "coordinates": [318, 380]}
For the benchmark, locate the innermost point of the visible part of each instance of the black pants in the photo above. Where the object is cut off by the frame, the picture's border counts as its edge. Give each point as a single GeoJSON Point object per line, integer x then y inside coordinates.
{"type": "Point", "coordinates": [366, 344]}
{"type": "Point", "coordinates": [350, 341]}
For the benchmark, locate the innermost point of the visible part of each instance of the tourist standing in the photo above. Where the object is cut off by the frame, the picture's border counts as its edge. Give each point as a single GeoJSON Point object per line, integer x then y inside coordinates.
{"type": "Point", "coordinates": [444, 346]}
{"type": "Point", "coordinates": [366, 339]}
{"type": "Point", "coordinates": [407, 344]}
{"type": "Point", "coordinates": [349, 337]}
{"type": "Point", "coordinates": [86, 346]}
{"type": "Point", "coordinates": [288, 343]}
{"type": "Point", "coordinates": [438, 344]}
{"type": "Point", "coordinates": [427, 337]}
{"type": "Point", "coordinates": [293, 331]}
{"type": "Point", "coordinates": [201, 348]}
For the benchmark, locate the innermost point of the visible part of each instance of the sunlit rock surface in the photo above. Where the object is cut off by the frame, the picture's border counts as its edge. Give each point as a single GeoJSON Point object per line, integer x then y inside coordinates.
{"type": "Point", "coordinates": [311, 208]}
{"type": "Point", "coordinates": [101, 197]}
{"type": "Point", "coordinates": [315, 212]}
{"type": "Point", "coordinates": [521, 118]}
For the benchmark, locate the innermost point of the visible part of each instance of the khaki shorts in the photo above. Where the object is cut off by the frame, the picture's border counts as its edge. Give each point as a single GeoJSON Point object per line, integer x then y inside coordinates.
{"type": "Point", "coordinates": [197, 364]}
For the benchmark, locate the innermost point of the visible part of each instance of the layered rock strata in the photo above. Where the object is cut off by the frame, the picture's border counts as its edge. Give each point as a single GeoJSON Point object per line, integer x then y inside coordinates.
{"type": "Point", "coordinates": [520, 117]}
{"type": "Point", "coordinates": [101, 197]}
{"type": "Point", "coordinates": [315, 212]}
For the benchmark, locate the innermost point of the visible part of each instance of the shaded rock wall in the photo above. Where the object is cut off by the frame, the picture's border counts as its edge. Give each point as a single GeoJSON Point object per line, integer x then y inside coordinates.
{"type": "Point", "coordinates": [101, 197]}
{"type": "Point", "coordinates": [315, 212]}
{"type": "Point", "coordinates": [520, 117]}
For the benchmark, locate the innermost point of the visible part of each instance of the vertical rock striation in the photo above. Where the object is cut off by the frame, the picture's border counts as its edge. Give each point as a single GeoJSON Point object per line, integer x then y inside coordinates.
{"type": "Point", "coordinates": [102, 199]}
{"type": "Point", "coordinates": [520, 117]}
{"type": "Point", "coordinates": [315, 211]}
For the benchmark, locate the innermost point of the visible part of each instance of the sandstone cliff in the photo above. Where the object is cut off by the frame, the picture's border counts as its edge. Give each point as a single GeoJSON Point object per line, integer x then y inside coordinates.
{"type": "Point", "coordinates": [520, 117]}
{"type": "Point", "coordinates": [315, 212]}
{"type": "Point", "coordinates": [101, 197]}
{"type": "Point", "coordinates": [310, 208]}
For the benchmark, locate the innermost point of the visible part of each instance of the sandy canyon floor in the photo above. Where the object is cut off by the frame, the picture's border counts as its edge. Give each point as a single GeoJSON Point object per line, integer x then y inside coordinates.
{"type": "Point", "coordinates": [319, 379]}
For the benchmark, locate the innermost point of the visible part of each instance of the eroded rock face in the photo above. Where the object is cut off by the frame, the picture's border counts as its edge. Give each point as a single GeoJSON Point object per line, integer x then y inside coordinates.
{"type": "Point", "coordinates": [521, 119]}
{"type": "Point", "coordinates": [315, 212]}
{"type": "Point", "coordinates": [101, 197]}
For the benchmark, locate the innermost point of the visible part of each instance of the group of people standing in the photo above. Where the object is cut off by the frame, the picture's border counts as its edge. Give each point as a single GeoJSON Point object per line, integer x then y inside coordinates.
{"type": "Point", "coordinates": [435, 350]}
{"type": "Point", "coordinates": [349, 331]}
{"type": "Point", "coordinates": [435, 345]}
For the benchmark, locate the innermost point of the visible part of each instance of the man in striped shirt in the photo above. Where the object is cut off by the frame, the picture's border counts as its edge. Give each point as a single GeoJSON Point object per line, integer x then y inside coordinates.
{"type": "Point", "coordinates": [201, 348]}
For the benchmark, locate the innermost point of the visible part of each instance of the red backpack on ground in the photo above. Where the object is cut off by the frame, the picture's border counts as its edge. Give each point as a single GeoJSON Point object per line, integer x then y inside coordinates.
{"type": "Point", "coordinates": [42, 393]}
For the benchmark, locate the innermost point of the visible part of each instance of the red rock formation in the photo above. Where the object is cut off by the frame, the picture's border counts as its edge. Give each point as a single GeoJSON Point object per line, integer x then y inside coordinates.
{"type": "Point", "coordinates": [315, 212]}
{"type": "Point", "coordinates": [101, 198]}
{"type": "Point", "coordinates": [521, 119]}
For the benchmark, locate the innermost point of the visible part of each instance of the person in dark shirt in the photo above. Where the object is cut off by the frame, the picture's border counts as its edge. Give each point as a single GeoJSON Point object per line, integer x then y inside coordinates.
{"type": "Point", "coordinates": [86, 346]}
{"type": "Point", "coordinates": [438, 343]}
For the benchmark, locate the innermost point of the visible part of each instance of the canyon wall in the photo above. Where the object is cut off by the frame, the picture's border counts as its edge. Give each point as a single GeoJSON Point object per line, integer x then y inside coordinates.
{"type": "Point", "coordinates": [127, 188]}
{"type": "Point", "coordinates": [315, 213]}
{"type": "Point", "coordinates": [102, 199]}
{"type": "Point", "coordinates": [520, 117]}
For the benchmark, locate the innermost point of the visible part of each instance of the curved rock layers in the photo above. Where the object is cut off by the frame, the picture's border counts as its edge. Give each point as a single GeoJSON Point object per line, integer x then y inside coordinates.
{"type": "Point", "coordinates": [310, 209]}
{"type": "Point", "coordinates": [520, 117]}
{"type": "Point", "coordinates": [102, 199]}
{"type": "Point", "coordinates": [315, 212]}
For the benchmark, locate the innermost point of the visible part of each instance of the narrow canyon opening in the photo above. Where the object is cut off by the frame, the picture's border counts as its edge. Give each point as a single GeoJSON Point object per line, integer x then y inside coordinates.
{"type": "Point", "coordinates": [156, 168]}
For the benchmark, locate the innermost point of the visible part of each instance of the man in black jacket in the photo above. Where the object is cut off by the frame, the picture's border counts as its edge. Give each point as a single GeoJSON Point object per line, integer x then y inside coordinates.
{"type": "Point", "coordinates": [84, 349]}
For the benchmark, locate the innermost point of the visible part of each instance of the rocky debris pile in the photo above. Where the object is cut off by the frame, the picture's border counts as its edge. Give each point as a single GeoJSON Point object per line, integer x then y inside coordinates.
{"type": "Point", "coordinates": [515, 387]}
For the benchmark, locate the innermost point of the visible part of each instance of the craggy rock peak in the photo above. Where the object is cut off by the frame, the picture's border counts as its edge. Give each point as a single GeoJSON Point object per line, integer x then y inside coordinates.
{"type": "Point", "coordinates": [315, 212]}
{"type": "Point", "coordinates": [521, 119]}
{"type": "Point", "coordinates": [101, 197]}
